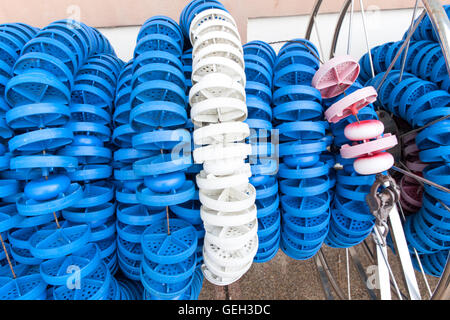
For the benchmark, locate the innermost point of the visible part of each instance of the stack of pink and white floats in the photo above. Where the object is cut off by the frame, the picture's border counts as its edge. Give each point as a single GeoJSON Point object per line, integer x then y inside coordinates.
{"type": "Point", "coordinates": [218, 102]}
{"type": "Point", "coordinates": [369, 142]}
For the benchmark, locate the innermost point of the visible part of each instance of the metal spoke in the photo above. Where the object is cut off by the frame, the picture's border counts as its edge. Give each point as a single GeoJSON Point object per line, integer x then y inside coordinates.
{"type": "Point", "coordinates": [408, 43]}
{"type": "Point", "coordinates": [367, 38]}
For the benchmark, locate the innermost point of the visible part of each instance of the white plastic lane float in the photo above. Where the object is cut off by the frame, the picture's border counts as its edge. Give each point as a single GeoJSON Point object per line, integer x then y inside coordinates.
{"type": "Point", "coordinates": [218, 102]}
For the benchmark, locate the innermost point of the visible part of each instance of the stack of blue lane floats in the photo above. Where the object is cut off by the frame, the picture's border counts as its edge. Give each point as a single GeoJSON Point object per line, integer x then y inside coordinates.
{"type": "Point", "coordinates": [40, 94]}
{"type": "Point", "coordinates": [421, 97]}
{"type": "Point", "coordinates": [130, 215]}
{"type": "Point", "coordinates": [13, 37]}
{"type": "Point", "coordinates": [259, 62]}
{"type": "Point", "coordinates": [158, 114]}
{"type": "Point", "coordinates": [351, 221]}
{"type": "Point", "coordinates": [91, 109]}
{"type": "Point", "coordinates": [304, 173]}
{"type": "Point", "coordinates": [428, 231]}
{"type": "Point", "coordinates": [26, 276]}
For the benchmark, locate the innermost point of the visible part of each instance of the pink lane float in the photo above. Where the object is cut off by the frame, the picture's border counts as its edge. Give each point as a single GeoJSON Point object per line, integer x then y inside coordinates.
{"type": "Point", "coordinates": [369, 142]}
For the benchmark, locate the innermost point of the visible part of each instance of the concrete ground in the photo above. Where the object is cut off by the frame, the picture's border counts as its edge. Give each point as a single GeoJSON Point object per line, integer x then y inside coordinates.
{"type": "Point", "coordinates": [284, 278]}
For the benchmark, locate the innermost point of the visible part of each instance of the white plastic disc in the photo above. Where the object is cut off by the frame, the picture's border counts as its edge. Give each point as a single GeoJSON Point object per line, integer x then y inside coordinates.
{"type": "Point", "coordinates": [206, 17]}
{"type": "Point", "coordinates": [228, 219]}
{"type": "Point", "coordinates": [216, 37]}
{"type": "Point", "coordinates": [216, 26]}
{"type": "Point", "coordinates": [223, 167]}
{"type": "Point", "coordinates": [225, 132]}
{"type": "Point", "coordinates": [222, 151]}
{"type": "Point", "coordinates": [228, 200]}
{"type": "Point", "coordinates": [232, 238]}
{"type": "Point", "coordinates": [221, 109]}
{"type": "Point", "coordinates": [219, 50]}
{"type": "Point", "coordinates": [377, 163]}
{"type": "Point", "coordinates": [364, 130]}
{"type": "Point", "coordinates": [225, 272]}
{"type": "Point", "coordinates": [237, 179]}
{"type": "Point", "coordinates": [216, 280]}
{"type": "Point", "coordinates": [218, 65]}
{"type": "Point", "coordinates": [216, 85]}
{"type": "Point", "coordinates": [232, 258]}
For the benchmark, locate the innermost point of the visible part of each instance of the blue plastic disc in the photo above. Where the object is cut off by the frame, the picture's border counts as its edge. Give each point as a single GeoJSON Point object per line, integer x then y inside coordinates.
{"type": "Point", "coordinates": [158, 42]}
{"type": "Point", "coordinates": [28, 287]}
{"type": "Point", "coordinates": [38, 115]}
{"type": "Point", "coordinates": [259, 90]}
{"type": "Point", "coordinates": [130, 250]}
{"type": "Point", "coordinates": [154, 199]}
{"type": "Point", "coordinates": [302, 110]}
{"type": "Point", "coordinates": [296, 93]}
{"type": "Point", "coordinates": [50, 244]}
{"type": "Point", "coordinates": [305, 187]}
{"type": "Point", "coordinates": [294, 74]}
{"type": "Point", "coordinates": [139, 215]}
{"type": "Point", "coordinates": [307, 225]}
{"type": "Point", "coordinates": [160, 247]}
{"type": "Point", "coordinates": [41, 140]}
{"type": "Point", "coordinates": [434, 136]}
{"type": "Point", "coordinates": [92, 287]}
{"type": "Point", "coordinates": [44, 61]}
{"type": "Point", "coordinates": [306, 207]}
{"type": "Point", "coordinates": [188, 211]}
{"type": "Point", "coordinates": [170, 273]}
{"type": "Point", "coordinates": [29, 207]}
{"type": "Point", "coordinates": [57, 272]}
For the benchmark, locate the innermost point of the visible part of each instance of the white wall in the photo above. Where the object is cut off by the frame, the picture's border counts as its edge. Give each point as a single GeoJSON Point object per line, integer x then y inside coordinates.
{"type": "Point", "coordinates": [383, 26]}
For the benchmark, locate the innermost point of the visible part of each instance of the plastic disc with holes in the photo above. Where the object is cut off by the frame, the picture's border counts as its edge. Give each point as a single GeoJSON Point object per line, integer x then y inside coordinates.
{"type": "Point", "coordinates": [305, 187]}
{"type": "Point", "coordinates": [169, 273]}
{"type": "Point", "coordinates": [164, 290]}
{"type": "Point", "coordinates": [351, 104]}
{"type": "Point", "coordinates": [231, 258]}
{"type": "Point", "coordinates": [50, 244]}
{"type": "Point", "coordinates": [160, 247]}
{"type": "Point", "coordinates": [93, 287]}
{"type": "Point", "coordinates": [307, 206]}
{"type": "Point", "coordinates": [38, 116]}
{"type": "Point", "coordinates": [151, 198]}
{"type": "Point", "coordinates": [139, 215]}
{"type": "Point", "coordinates": [228, 200]}
{"type": "Point", "coordinates": [29, 287]}
{"type": "Point", "coordinates": [36, 87]}
{"type": "Point", "coordinates": [58, 271]}
{"type": "Point", "coordinates": [220, 109]}
{"type": "Point", "coordinates": [231, 238]}
{"type": "Point", "coordinates": [216, 85]}
{"type": "Point", "coordinates": [335, 76]}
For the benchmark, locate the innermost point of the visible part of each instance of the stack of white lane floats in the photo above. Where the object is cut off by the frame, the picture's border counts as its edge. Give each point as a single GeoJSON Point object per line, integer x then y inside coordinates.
{"type": "Point", "coordinates": [40, 92]}
{"type": "Point", "coordinates": [218, 102]}
{"type": "Point", "coordinates": [259, 63]}
{"type": "Point", "coordinates": [351, 221]}
{"type": "Point", "coordinates": [304, 173]}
